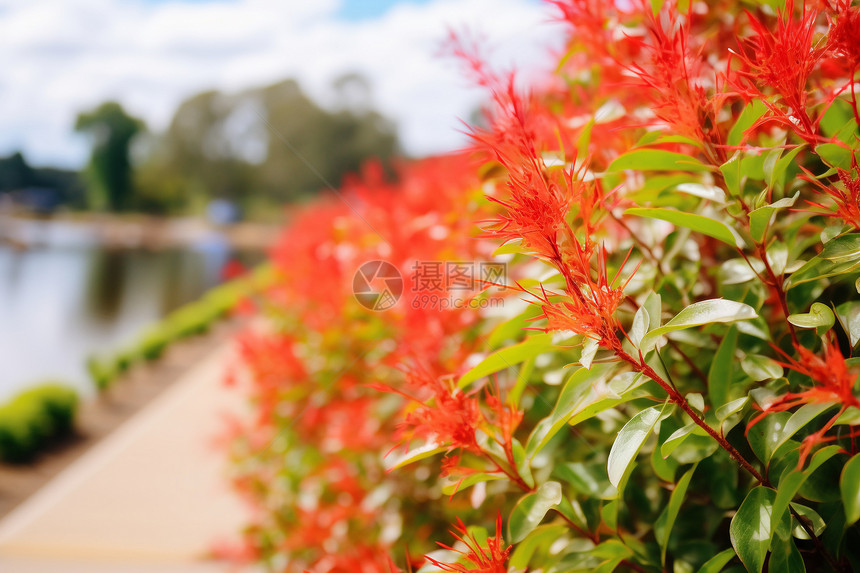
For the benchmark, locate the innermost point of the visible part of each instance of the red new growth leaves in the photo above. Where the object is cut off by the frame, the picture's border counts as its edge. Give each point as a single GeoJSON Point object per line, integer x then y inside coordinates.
{"type": "Point", "coordinates": [832, 381]}
{"type": "Point", "coordinates": [478, 559]}
{"type": "Point", "coordinates": [844, 37]}
{"type": "Point", "coordinates": [782, 57]}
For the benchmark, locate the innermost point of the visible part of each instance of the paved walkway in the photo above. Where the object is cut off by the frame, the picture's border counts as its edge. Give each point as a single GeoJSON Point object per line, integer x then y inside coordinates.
{"type": "Point", "coordinates": [151, 497]}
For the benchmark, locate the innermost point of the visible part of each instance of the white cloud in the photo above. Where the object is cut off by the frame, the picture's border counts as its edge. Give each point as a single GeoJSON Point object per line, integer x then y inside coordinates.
{"type": "Point", "coordinates": [63, 56]}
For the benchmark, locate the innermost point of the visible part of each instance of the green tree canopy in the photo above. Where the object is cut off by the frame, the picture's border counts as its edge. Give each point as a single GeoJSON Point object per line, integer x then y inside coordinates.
{"type": "Point", "coordinates": [264, 145]}
{"type": "Point", "coordinates": [112, 131]}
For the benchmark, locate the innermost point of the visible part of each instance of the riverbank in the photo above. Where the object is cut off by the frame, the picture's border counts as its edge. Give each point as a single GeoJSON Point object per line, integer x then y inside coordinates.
{"type": "Point", "coordinates": [100, 416]}
{"type": "Point", "coordinates": [130, 232]}
{"type": "Point", "coordinates": [151, 497]}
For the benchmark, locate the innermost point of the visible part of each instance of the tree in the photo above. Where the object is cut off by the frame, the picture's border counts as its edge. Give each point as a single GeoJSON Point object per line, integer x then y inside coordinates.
{"type": "Point", "coordinates": [112, 131]}
{"type": "Point", "coordinates": [263, 145]}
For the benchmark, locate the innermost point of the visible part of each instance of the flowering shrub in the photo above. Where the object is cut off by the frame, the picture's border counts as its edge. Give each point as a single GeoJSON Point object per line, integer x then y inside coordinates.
{"type": "Point", "coordinates": [668, 382]}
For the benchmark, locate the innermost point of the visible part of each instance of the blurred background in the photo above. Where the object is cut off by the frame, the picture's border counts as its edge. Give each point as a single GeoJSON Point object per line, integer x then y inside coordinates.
{"type": "Point", "coordinates": [150, 150]}
{"type": "Point", "coordinates": [145, 143]}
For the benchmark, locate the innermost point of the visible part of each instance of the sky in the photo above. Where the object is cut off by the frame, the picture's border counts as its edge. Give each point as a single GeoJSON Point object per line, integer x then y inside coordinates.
{"type": "Point", "coordinates": [60, 57]}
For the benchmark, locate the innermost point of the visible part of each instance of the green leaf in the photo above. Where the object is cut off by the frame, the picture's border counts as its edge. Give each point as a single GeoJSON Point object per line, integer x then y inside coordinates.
{"type": "Point", "coordinates": [521, 382]}
{"type": "Point", "coordinates": [733, 407]}
{"type": "Point", "coordinates": [775, 176]}
{"type": "Point", "coordinates": [750, 114]}
{"type": "Point", "coordinates": [709, 192]}
{"type": "Point", "coordinates": [764, 437]}
{"type": "Point", "coordinates": [512, 329]}
{"type": "Point", "coordinates": [731, 171]}
{"type": "Point", "coordinates": [628, 443]}
{"type": "Point", "coordinates": [507, 357]}
{"type": "Point", "coordinates": [451, 486]}
{"type": "Point", "coordinates": [716, 563]}
{"type": "Point", "coordinates": [750, 529]}
{"type": "Point", "coordinates": [640, 325]}
{"type": "Point", "coordinates": [531, 509]}
{"type": "Point", "coordinates": [760, 218]}
{"type": "Point", "coordinates": [514, 247]}
{"type": "Point", "coordinates": [589, 350]}
{"type": "Point", "coordinates": [663, 525]}
{"type": "Point", "coordinates": [656, 160]}
{"type": "Point", "coordinates": [804, 415]}
{"type": "Point", "coordinates": [849, 487]}
{"type": "Point", "coordinates": [848, 314]}
{"type": "Point", "coordinates": [586, 479]}
{"type": "Point", "coordinates": [585, 394]}
{"type": "Point", "coordinates": [654, 305]}
{"type": "Point", "coordinates": [819, 317]}
{"type": "Point", "coordinates": [538, 540]}
{"type": "Point", "coordinates": [698, 223]}
{"type": "Point", "coordinates": [678, 437]}
{"type": "Point", "coordinates": [611, 552]}
{"type": "Point", "coordinates": [760, 367]}
{"type": "Point", "coordinates": [839, 256]}
{"type": "Point", "coordinates": [792, 480]}
{"type": "Point", "coordinates": [835, 155]}
{"type": "Point", "coordinates": [784, 556]}
{"type": "Point", "coordinates": [412, 455]}
{"type": "Point", "coordinates": [720, 372]}
{"type": "Point", "coordinates": [699, 313]}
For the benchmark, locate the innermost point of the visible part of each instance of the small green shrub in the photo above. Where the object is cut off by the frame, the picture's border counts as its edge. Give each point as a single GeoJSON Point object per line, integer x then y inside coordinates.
{"type": "Point", "coordinates": [153, 343]}
{"type": "Point", "coordinates": [102, 371]}
{"type": "Point", "coordinates": [33, 418]}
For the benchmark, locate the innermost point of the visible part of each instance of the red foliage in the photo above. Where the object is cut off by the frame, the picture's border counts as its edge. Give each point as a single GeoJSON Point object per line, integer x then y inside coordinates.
{"type": "Point", "coordinates": [782, 57]}
{"type": "Point", "coordinates": [493, 559]}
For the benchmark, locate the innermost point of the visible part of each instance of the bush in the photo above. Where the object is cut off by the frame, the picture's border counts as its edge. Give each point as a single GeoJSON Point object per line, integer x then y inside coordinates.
{"type": "Point", "coordinates": [679, 208]}
{"type": "Point", "coordinates": [33, 419]}
{"type": "Point", "coordinates": [102, 371]}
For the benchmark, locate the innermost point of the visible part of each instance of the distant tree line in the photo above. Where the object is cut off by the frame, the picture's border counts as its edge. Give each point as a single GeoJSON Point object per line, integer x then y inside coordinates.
{"type": "Point", "coordinates": [43, 188]}
{"type": "Point", "coordinates": [256, 148]}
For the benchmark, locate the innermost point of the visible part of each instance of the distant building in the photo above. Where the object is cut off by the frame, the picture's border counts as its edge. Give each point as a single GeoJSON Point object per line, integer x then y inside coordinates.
{"type": "Point", "coordinates": [223, 212]}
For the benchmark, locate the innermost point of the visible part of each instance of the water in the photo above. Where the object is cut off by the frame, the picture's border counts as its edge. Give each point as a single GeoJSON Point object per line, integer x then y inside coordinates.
{"type": "Point", "coordinates": [71, 297]}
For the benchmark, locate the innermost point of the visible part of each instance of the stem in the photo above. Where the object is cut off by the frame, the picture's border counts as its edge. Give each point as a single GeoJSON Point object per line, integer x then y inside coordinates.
{"type": "Point", "coordinates": [593, 536]}
{"type": "Point", "coordinates": [819, 546]}
{"type": "Point", "coordinates": [854, 98]}
{"type": "Point", "coordinates": [677, 398]}
{"type": "Point", "coordinates": [698, 371]}
{"type": "Point", "coordinates": [512, 475]}
{"type": "Point", "coordinates": [777, 284]}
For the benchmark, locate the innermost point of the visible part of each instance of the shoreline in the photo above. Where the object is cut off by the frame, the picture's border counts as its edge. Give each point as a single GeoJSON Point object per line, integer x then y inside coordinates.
{"type": "Point", "coordinates": [100, 416]}
{"type": "Point", "coordinates": [130, 231]}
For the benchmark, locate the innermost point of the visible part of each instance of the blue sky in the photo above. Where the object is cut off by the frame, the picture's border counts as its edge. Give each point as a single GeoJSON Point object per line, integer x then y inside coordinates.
{"type": "Point", "coordinates": [61, 57]}
{"type": "Point", "coordinates": [352, 10]}
{"type": "Point", "coordinates": [368, 9]}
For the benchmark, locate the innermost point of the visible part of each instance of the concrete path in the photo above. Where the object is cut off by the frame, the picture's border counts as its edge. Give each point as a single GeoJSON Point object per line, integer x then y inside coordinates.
{"type": "Point", "coordinates": [151, 497]}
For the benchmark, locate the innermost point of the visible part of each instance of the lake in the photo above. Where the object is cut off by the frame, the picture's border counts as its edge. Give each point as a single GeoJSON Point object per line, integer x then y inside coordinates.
{"type": "Point", "coordinates": [67, 297]}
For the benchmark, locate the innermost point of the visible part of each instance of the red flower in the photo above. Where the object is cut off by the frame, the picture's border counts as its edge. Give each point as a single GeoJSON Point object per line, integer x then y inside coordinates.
{"type": "Point", "coordinates": [832, 380]}
{"type": "Point", "coordinates": [782, 57]}
{"type": "Point", "coordinates": [844, 36]}
{"type": "Point", "coordinates": [672, 71]}
{"type": "Point", "coordinates": [590, 305]}
{"type": "Point", "coordinates": [845, 193]}
{"type": "Point", "coordinates": [448, 416]}
{"type": "Point", "coordinates": [478, 559]}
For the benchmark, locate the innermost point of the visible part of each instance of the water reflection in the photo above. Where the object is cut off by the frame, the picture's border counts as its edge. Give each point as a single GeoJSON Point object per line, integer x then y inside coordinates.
{"type": "Point", "coordinates": [59, 304]}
